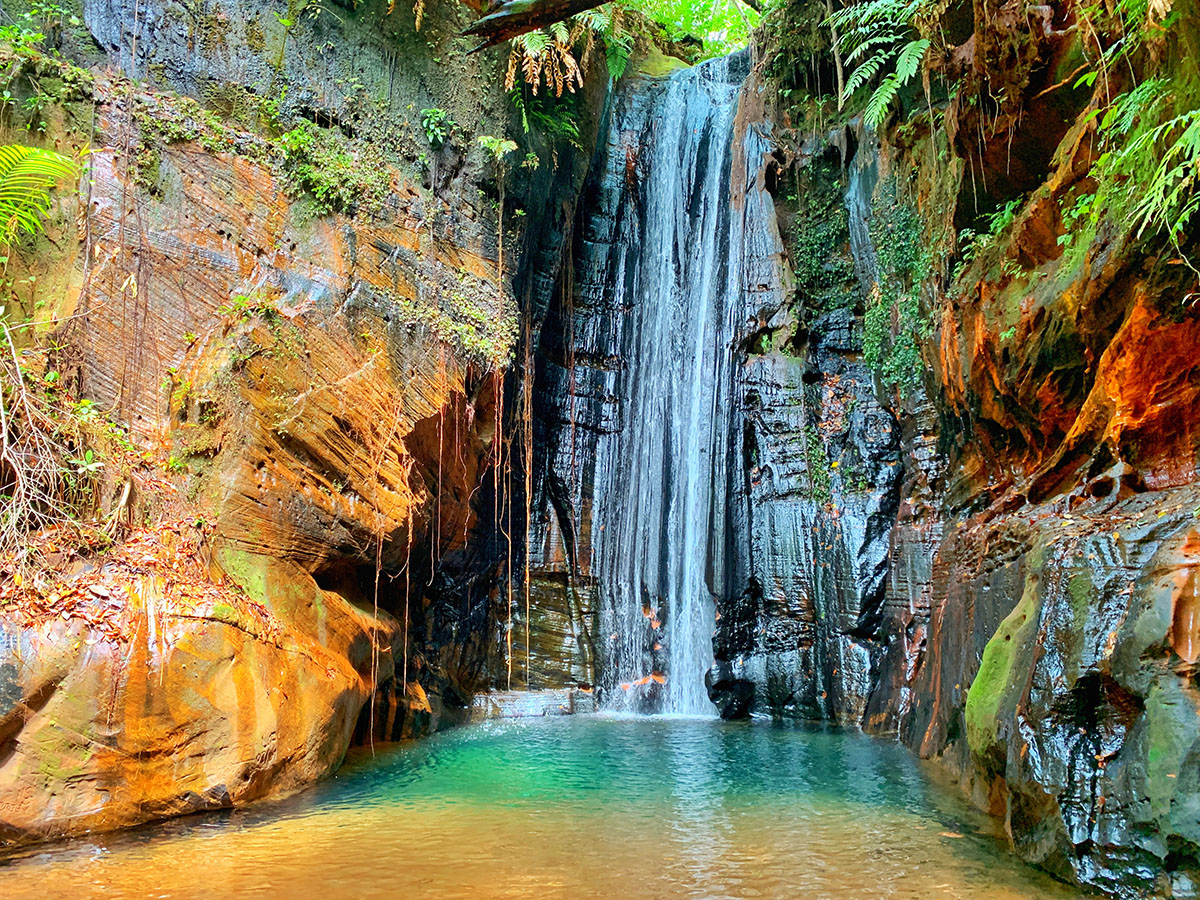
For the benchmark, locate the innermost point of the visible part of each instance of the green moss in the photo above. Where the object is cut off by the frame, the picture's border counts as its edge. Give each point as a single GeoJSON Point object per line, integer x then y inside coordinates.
{"type": "Point", "coordinates": [466, 324]}
{"type": "Point", "coordinates": [998, 684]}
{"type": "Point", "coordinates": [250, 571]}
{"type": "Point", "coordinates": [256, 37]}
{"type": "Point", "coordinates": [224, 612]}
{"type": "Point", "coordinates": [1079, 589]}
{"type": "Point", "coordinates": [657, 64]}
{"type": "Point", "coordinates": [894, 325]}
{"type": "Point", "coordinates": [820, 239]}
{"type": "Point", "coordinates": [1170, 732]}
{"type": "Point", "coordinates": [166, 119]}
{"type": "Point", "coordinates": [336, 174]}
{"type": "Point", "coordinates": [819, 478]}
{"type": "Point", "coordinates": [34, 82]}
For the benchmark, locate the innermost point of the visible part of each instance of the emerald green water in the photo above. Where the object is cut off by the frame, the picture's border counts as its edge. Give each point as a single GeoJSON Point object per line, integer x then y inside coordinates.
{"type": "Point", "coordinates": [582, 807]}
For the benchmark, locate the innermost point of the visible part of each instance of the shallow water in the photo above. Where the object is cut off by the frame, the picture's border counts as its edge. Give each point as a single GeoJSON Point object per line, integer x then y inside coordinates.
{"type": "Point", "coordinates": [583, 807]}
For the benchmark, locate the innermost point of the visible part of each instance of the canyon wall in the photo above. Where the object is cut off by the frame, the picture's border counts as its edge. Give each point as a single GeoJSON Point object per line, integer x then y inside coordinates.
{"type": "Point", "coordinates": [1028, 620]}
{"type": "Point", "coordinates": [970, 521]}
{"type": "Point", "coordinates": [295, 305]}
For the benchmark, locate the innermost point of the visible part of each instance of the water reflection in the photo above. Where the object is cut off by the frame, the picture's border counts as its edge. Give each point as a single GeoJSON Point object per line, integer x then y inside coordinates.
{"type": "Point", "coordinates": [573, 808]}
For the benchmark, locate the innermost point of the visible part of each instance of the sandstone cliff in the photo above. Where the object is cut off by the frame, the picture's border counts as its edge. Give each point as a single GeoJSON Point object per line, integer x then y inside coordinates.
{"type": "Point", "coordinates": [291, 298]}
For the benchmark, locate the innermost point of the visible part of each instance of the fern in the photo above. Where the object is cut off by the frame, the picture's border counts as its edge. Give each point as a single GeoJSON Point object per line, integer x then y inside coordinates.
{"type": "Point", "coordinates": [908, 63]}
{"type": "Point", "coordinates": [1170, 198]}
{"type": "Point", "coordinates": [546, 56]}
{"type": "Point", "coordinates": [878, 36]}
{"type": "Point", "coordinates": [863, 74]}
{"type": "Point", "coordinates": [26, 176]}
{"type": "Point", "coordinates": [889, 39]}
{"type": "Point", "coordinates": [881, 98]}
{"type": "Point", "coordinates": [1148, 172]}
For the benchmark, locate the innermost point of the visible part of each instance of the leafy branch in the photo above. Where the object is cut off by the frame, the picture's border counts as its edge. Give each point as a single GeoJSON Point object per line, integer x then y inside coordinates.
{"type": "Point", "coordinates": [26, 176]}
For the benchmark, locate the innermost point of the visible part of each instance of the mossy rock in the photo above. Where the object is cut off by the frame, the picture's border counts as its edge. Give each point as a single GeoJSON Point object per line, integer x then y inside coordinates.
{"type": "Point", "coordinates": [1002, 679]}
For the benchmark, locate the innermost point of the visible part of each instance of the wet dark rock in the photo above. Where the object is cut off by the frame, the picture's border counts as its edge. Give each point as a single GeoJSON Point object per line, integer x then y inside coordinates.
{"type": "Point", "coordinates": [732, 695]}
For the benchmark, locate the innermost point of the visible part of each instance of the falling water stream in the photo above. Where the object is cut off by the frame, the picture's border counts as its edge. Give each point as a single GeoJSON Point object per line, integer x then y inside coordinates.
{"type": "Point", "coordinates": [658, 241]}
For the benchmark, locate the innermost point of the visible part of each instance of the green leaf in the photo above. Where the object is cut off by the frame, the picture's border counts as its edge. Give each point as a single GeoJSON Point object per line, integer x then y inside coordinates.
{"type": "Point", "coordinates": [26, 176]}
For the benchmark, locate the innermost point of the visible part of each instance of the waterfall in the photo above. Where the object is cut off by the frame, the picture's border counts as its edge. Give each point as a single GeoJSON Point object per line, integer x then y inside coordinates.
{"type": "Point", "coordinates": [655, 254]}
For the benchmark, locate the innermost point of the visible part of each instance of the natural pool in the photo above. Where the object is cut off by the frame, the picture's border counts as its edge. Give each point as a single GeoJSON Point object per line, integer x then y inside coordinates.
{"type": "Point", "coordinates": [580, 807]}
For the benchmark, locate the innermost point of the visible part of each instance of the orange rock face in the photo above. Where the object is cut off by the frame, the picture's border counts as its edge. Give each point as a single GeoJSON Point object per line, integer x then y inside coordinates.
{"type": "Point", "coordinates": [191, 712]}
{"type": "Point", "coordinates": [327, 390]}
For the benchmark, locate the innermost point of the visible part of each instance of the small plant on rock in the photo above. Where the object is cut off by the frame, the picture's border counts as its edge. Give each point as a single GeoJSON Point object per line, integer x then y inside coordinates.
{"type": "Point", "coordinates": [436, 123]}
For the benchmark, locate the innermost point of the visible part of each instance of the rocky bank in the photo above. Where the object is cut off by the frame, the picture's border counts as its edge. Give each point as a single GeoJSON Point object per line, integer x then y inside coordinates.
{"type": "Point", "coordinates": [970, 521]}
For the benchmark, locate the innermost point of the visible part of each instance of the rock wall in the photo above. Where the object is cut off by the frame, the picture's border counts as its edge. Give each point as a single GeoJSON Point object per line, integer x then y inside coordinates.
{"type": "Point", "coordinates": [294, 301]}
{"type": "Point", "coordinates": [1029, 625]}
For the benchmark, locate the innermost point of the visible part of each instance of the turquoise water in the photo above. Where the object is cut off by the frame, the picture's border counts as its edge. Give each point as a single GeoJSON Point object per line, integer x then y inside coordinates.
{"type": "Point", "coordinates": [582, 807]}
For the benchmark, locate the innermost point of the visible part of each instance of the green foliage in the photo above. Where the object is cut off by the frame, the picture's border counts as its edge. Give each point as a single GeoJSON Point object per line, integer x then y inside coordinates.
{"type": "Point", "coordinates": [339, 177]}
{"type": "Point", "coordinates": [33, 77]}
{"type": "Point", "coordinates": [722, 25]}
{"type": "Point", "coordinates": [56, 449]}
{"type": "Point", "coordinates": [972, 244]}
{"type": "Point", "coordinates": [607, 24]}
{"type": "Point", "coordinates": [1152, 169]}
{"type": "Point", "coordinates": [1076, 218]}
{"type": "Point", "coordinates": [26, 176]}
{"type": "Point", "coordinates": [547, 55]}
{"type": "Point", "coordinates": [894, 324]}
{"type": "Point", "coordinates": [462, 319]}
{"type": "Point", "coordinates": [880, 37]}
{"type": "Point", "coordinates": [557, 118]}
{"type": "Point", "coordinates": [497, 148]}
{"type": "Point", "coordinates": [436, 124]}
{"type": "Point", "coordinates": [242, 308]}
{"type": "Point", "coordinates": [1148, 171]}
{"type": "Point", "coordinates": [820, 481]}
{"type": "Point", "coordinates": [821, 258]}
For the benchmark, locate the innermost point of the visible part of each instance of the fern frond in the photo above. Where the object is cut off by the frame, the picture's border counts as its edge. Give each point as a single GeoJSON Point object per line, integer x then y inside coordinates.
{"type": "Point", "coordinates": [26, 176]}
{"type": "Point", "coordinates": [599, 19]}
{"type": "Point", "coordinates": [877, 40]}
{"type": "Point", "coordinates": [510, 76]}
{"type": "Point", "coordinates": [881, 99]}
{"type": "Point", "coordinates": [534, 43]}
{"type": "Point", "coordinates": [908, 63]}
{"type": "Point", "coordinates": [1171, 197]}
{"type": "Point", "coordinates": [864, 73]}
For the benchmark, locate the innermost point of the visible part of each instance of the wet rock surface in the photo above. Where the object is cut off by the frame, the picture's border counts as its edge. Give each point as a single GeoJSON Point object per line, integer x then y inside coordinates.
{"type": "Point", "coordinates": [1010, 594]}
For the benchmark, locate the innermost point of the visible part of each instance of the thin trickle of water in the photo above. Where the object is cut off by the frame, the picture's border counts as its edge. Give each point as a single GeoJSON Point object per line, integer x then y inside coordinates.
{"type": "Point", "coordinates": [660, 242]}
{"type": "Point", "coordinates": [864, 175]}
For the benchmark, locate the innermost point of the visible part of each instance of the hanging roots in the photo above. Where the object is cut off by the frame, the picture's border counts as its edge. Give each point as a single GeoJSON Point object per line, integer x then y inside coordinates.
{"type": "Point", "coordinates": [418, 11]}
{"type": "Point", "coordinates": [56, 457]}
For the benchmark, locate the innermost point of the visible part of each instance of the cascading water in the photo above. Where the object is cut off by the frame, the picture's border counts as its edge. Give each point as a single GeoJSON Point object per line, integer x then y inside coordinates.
{"type": "Point", "coordinates": [657, 246]}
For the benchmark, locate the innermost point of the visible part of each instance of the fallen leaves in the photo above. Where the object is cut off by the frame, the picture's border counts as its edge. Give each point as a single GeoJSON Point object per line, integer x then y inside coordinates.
{"type": "Point", "coordinates": [160, 572]}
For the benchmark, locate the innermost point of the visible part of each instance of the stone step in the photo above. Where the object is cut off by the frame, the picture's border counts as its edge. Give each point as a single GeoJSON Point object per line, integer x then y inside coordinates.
{"type": "Point", "coordinates": [528, 704]}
